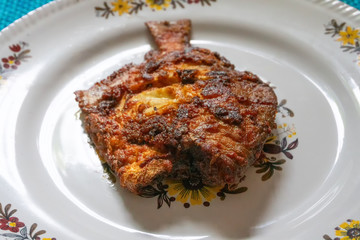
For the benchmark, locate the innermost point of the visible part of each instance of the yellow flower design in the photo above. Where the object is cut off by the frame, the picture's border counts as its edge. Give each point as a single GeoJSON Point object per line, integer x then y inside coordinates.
{"type": "Point", "coordinates": [158, 4]}
{"type": "Point", "coordinates": [285, 128]}
{"type": "Point", "coordinates": [121, 6]}
{"type": "Point", "coordinates": [192, 189]}
{"type": "Point", "coordinates": [349, 231]}
{"type": "Point", "coordinates": [349, 36]}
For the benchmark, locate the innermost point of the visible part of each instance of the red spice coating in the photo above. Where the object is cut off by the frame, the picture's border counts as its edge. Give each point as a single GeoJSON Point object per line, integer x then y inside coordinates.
{"type": "Point", "coordinates": [184, 111]}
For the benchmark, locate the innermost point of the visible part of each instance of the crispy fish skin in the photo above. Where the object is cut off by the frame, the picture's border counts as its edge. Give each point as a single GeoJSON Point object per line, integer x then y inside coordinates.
{"type": "Point", "coordinates": [185, 111]}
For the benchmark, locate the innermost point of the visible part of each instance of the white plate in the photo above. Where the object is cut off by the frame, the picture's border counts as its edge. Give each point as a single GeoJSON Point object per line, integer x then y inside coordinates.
{"type": "Point", "coordinates": [51, 175]}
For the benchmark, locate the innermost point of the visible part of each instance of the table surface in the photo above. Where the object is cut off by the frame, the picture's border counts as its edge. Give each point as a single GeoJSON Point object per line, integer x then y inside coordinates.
{"type": "Point", "coordinates": [10, 10]}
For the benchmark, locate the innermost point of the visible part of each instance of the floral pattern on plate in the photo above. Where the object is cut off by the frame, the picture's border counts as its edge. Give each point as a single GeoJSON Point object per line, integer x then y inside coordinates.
{"type": "Point", "coordinates": [122, 7]}
{"type": "Point", "coordinates": [273, 147]}
{"type": "Point", "coordinates": [276, 151]}
{"type": "Point", "coordinates": [19, 53]}
{"type": "Point", "coordinates": [13, 229]}
{"type": "Point", "coordinates": [349, 230]}
{"type": "Point", "coordinates": [347, 35]}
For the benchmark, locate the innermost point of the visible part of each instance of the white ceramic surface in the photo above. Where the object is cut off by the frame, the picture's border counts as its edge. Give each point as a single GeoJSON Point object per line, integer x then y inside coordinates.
{"type": "Point", "coordinates": [51, 175]}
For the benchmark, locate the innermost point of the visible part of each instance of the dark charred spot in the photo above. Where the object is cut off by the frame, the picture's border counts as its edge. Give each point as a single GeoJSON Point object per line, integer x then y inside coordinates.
{"type": "Point", "coordinates": [228, 116]}
{"type": "Point", "coordinates": [180, 131]}
{"type": "Point", "coordinates": [198, 57]}
{"type": "Point", "coordinates": [227, 63]}
{"type": "Point", "coordinates": [176, 57]}
{"type": "Point", "coordinates": [186, 112]}
{"type": "Point", "coordinates": [132, 132]}
{"type": "Point", "coordinates": [187, 76]}
{"type": "Point", "coordinates": [112, 94]}
{"type": "Point", "coordinates": [220, 112]}
{"type": "Point", "coordinates": [157, 132]}
{"type": "Point", "coordinates": [182, 113]}
{"type": "Point", "coordinates": [109, 100]}
{"type": "Point", "coordinates": [154, 126]}
{"type": "Point", "coordinates": [217, 73]}
{"type": "Point", "coordinates": [151, 67]}
{"type": "Point", "coordinates": [106, 106]}
{"type": "Point", "coordinates": [197, 101]}
{"type": "Point", "coordinates": [217, 55]}
{"type": "Point", "coordinates": [234, 117]}
{"type": "Point", "coordinates": [213, 90]}
{"type": "Point", "coordinates": [154, 131]}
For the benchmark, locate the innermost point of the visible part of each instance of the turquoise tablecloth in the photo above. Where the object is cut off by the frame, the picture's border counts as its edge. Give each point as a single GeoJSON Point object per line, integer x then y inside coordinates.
{"type": "Point", "coordinates": [10, 10]}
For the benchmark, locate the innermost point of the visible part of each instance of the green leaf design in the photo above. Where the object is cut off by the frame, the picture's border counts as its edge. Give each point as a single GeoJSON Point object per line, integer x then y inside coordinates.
{"type": "Point", "coordinates": [238, 190]}
{"type": "Point", "coordinates": [326, 237]}
{"type": "Point", "coordinates": [279, 162]}
{"type": "Point", "coordinates": [32, 229]}
{"type": "Point", "coordinates": [268, 167]}
{"type": "Point", "coordinates": [264, 169]}
{"type": "Point", "coordinates": [230, 190]}
{"type": "Point", "coordinates": [23, 55]}
{"type": "Point", "coordinates": [268, 175]}
{"type": "Point", "coordinates": [159, 191]}
{"type": "Point", "coordinates": [41, 232]}
{"type": "Point", "coordinates": [1, 211]}
{"type": "Point", "coordinates": [277, 168]}
{"type": "Point", "coordinates": [7, 208]}
{"type": "Point", "coordinates": [108, 172]}
{"type": "Point", "coordinates": [149, 192]}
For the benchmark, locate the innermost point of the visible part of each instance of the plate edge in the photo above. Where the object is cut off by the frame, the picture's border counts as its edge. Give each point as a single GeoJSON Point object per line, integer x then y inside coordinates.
{"type": "Point", "coordinates": [20, 24]}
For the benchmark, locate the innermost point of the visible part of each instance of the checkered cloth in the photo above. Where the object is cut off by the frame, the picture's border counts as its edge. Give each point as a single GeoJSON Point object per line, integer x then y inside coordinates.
{"type": "Point", "coordinates": [10, 10]}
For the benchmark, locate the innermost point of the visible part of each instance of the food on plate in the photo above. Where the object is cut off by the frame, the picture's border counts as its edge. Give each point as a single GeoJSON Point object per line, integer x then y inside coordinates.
{"type": "Point", "coordinates": [184, 112]}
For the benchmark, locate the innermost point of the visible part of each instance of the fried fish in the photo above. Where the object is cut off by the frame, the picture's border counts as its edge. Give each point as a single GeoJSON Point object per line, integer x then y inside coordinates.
{"type": "Point", "coordinates": [183, 112]}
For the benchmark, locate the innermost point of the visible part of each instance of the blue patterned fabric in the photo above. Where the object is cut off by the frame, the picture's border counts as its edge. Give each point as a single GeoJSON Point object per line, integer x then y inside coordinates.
{"type": "Point", "coordinates": [10, 10]}
{"type": "Point", "coordinates": [354, 3]}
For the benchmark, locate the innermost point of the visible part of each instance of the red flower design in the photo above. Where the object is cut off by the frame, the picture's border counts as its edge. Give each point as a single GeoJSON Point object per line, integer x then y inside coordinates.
{"type": "Point", "coordinates": [11, 61]}
{"type": "Point", "coordinates": [15, 48]}
{"type": "Point", "coordinates": [11, 224]}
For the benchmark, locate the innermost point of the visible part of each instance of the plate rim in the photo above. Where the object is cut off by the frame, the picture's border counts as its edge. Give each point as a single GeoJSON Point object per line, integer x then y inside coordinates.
{"type": "Point", "coordinates": [58, 5]}
{"type": "Point", "coordinates": [334, 5]}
